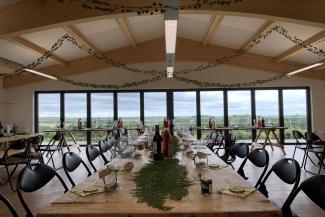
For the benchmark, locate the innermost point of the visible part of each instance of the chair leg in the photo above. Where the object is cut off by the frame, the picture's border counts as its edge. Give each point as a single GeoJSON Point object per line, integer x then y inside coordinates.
{"type": "Point", "coordinates": [9, 179]}
{"type": "Point", "coordinates": [13, 171]}
{"type": "Point", "coordinates": [294, 152]}
{"type": "Point", "coordinates": [321, 163]}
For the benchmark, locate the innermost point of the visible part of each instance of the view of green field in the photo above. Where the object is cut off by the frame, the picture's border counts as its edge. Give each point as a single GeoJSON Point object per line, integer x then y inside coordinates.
{"type": "Point", "coordinates": [298, 122]}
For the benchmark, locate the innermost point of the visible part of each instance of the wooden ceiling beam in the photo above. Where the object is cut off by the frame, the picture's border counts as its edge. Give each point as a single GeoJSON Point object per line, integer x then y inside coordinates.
{"type": "Point", "coordinates": [35, 15]}
{"type": "Point", "coordinates": [123, 23]}
{"type": "Point", "coordinates": [263, 29]}
{"type": "Point", "coordinates": [23, 43]}
{"type": "Point", "coordinates": [8, 65]}
{"type": "Point", "coordinates": [294, 50]}
{"type": "Point", "coordinates": [215, 21]}
{"type": "Point", "coordinates": [153, 51]}
{"type": "Point", "coordinates": [72, 31]}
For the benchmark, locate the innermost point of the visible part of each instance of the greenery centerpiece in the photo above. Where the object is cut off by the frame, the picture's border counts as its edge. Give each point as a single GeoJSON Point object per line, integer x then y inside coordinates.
{"type": "Point", "coordinates": [161, 180]}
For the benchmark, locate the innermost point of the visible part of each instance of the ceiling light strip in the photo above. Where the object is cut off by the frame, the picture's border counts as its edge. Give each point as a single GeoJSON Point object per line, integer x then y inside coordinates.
{"type": "Point", "coordinates": [305, 68]}
{"type": "Point", "coordinates": [40, 74]}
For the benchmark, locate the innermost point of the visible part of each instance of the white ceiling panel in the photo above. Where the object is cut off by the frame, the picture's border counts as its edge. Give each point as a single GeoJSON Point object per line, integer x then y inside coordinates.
{"type": "Point", "coordinates": [193, 27]}
{"type": "Point", "coordinates": [276, 44]}
{"type": "Point", "coordinates": [145, 28]}
{"type": "Point", "coordinates": [47, 38]}
{"type": "Point", "coordinates": [234, 32]}
{"type": "Point", "coordinates": [104, 34]}
{"type": "Point", "coordinates": [19, 55]}
{"type": "Point", "coordinates": [307, 57]}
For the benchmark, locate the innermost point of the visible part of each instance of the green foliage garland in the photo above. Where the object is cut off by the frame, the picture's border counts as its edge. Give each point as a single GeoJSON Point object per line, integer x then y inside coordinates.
{"type": "Point", "coordinates": [161, 180]}
{"type": "Point", "coordinates": [154, 8]}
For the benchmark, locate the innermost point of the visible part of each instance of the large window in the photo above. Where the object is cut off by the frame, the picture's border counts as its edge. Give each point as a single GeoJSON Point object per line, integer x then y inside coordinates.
{"type": "Point", "coordinates": [184, 109]}
{"type": "Point", "coordinates": [211, 106]}
{"type": "Point", "coordinates": [129, 109]}
{"type": "Point", "coordinates": [286, 106]}
{"type": "Point", "coordinates": [267, 106]}
{"type": "Point", "coordinates": [295, 112]}
{"type": "Point", "coordinates": [102, 114]}
{"type": "Point", "coordinates": [155, 108]}
{"type": "Point", "coordinates": [76, 108]}
{"type": "Point", "coordinates": [48, 113]}
{"type": "Point", "coordinates": [239, 112]}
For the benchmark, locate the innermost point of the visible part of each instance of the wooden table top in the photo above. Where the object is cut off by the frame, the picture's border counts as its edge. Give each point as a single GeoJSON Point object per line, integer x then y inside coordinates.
{"type": "Point", "coordinates": [12, 138]}
{"type": "Point", "coordinates": [241, 128]}
{"type": "Point", "coordinates": [123, 203]}
{"type": "Point", "coordinates": [77, 130]}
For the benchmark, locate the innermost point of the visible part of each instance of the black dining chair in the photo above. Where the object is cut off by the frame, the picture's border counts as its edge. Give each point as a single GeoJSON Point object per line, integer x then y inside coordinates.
{"type": "Point", "coordinates": [32, 178]}
{"type": "Point", "coordinates": [317, 146]}
{"type": "Point", "coordinates": [313, 187]}
{"type": "Point", "coordinates": [107, 145]}
{"type": "Point", "coordinates": [14, 160]}
{"type": "Point", "coordinates": [287, 169]}
{"type": "Point", "coordinates": [298, 137]}
{"type": "Point", "coordinates": [32, 150]}
{"type": "Point", "coordinates": [7, 203]}
{"type": "Point", "coordinates": [92, 154]}
{"type": "Point", "coordinates": [219, 143]}
{"type": "Point", "coordinates": [53, 146]}
{"type": "Point", "coordinates": [260, 158]}
{"type": "Point", "coordinates": [71, 161]}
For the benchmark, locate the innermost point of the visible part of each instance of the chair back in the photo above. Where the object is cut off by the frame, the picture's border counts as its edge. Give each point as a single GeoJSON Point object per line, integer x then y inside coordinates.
{"type": "Point", "coordinates": [8, 205]}
{"type": "Point", "coordinates": [260, 158]}
{"type": "Point", "coordinates": [19, 144]}
{"type": "Point", "coordinates": [240, 150]}
{"type": "Point", "coordinates": [37, 140]}
{"type": "Point", "coordinates": [92, 153]}
{"type": "Point", "coordinates": [298, 135]}
{"type": "Point", "coordinates": [104, 146]}
{"type": "Point", "coordinates": [287, 169]}
{"type": "Point", "coordinates": [313, 187]}
{"type": "Point", "coordinates": [71, 161]}
{"type": "Point", "coordinates": [312, 138]}
{"type": "Point", "coordinates": [32, 178]}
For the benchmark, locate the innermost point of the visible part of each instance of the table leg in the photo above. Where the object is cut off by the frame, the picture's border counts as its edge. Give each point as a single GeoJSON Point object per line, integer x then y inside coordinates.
{"type": "Point", "coordinates": [256, 139]}
{"type": "Point", "coordinates": [279, 144]}
{"type": "Point", "coordinates": [267, 138]}
{"type": "Point", "coordinates": [75, 142]}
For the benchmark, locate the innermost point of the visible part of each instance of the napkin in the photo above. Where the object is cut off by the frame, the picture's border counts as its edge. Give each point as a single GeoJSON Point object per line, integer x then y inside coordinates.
{"type": "Point", "coordinates": [248, 191]}
{"type": "Point", "coordinates": [82, 190]}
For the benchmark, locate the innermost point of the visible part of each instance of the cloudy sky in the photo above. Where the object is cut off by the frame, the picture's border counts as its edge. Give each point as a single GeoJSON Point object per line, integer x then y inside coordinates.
{"type": "Point", "coordinates": [184, 103]}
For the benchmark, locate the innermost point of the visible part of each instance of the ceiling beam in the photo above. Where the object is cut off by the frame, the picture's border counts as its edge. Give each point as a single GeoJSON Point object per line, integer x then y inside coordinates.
{"type": "Point", "coordinates": [9, 65]}
{"type": "Point", "coordinates": [262, 30]}
{"type": "Point", "coordinates": [310, 41]}
{"type": "Point", "coordinates": [123, 23]}
{"type": "Point", "coordinates": [35, 15]}
{"type": "Point", "coordinates": [215, 21]}
{"type": "Point", "coordinates": [72, 31]}
{"type": "Point", "coordinates": [23, 43]}
{"type": "Point", "coordinates": [153, 51]}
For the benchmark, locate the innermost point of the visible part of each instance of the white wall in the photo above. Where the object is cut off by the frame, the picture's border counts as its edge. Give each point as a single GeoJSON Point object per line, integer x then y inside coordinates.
{"type": "Point", "coordinates": [22, 112]}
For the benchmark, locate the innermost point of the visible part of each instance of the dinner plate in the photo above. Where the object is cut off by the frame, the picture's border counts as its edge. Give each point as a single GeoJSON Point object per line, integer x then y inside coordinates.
{"type": "Point", "coordinates": [214, 166]}
{"type": "Point", "coordinates": [237, 189]}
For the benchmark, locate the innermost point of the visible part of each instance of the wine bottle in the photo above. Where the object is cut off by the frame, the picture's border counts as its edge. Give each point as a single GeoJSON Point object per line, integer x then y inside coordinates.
{"type": "Point", "coordinates": [156, 144]}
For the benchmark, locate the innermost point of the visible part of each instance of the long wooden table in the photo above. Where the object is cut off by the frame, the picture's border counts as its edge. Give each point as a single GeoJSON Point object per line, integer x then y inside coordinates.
{"type": "Point", "coordinates": [267, 131]}
{"type": "Point", "coordinates": [122, 203]}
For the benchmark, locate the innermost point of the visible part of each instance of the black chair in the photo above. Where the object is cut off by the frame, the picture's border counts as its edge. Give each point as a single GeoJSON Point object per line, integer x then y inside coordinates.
{"type": "Point", "coordinates": [71, 161]}
{"type": "Point", "coordinates": [93, 153]}
{"type": "Point", "coordinates": [9, 205]}
{"type": "Point", "coordinates": [32, 178]}
{"type": "Point", "coordinates": [219, 143]}
{"type": "Point", "coordinates": [260, 158]}
{"type": "Point", "coordinates": [15, 159]}
{"type": "Point", "coordinates": [32, 150]}
{"type": "Point", "coordinates": [107, 145]}
{"type": "Point", "coordinates": [52, 147]}
{"type": "Point", "coordinates": [299, 136]}
{"type": "Point", "coordinates": [287, 169]}
{"type": "Point", "coordinates": [313, 187]}
{"type": "Point", "coordinates": [317, 146]}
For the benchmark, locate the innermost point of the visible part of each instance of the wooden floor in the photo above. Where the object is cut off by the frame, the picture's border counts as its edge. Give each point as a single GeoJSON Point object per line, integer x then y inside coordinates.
{"type": "Point", "coordinates": [303, 206]}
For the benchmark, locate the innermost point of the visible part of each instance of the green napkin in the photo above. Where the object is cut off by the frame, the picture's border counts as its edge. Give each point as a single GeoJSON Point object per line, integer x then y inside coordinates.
{"type": "Point", "coordinates": [248, 191]}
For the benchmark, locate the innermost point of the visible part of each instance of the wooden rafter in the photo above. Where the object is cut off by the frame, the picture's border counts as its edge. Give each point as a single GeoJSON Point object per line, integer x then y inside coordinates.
{"type": "Point", "coordinates": [33, 15]}
{"type": "Point", "coordinates": [310, 41]}
{"type": "Point", "coordinates": [8, 65]}
{"type": "Point", "coordinates": [71, 30]}
{"type": "Point", "coordinates": [21, 42]}
{"type": "Point", "coordinates": [123, 23]}
{"type": "Point", "coordinates": [153, 51]}
{"type": "Point", "coordinates": [215, 21]}
{"type": "Point", "coordinates": [263, 29]}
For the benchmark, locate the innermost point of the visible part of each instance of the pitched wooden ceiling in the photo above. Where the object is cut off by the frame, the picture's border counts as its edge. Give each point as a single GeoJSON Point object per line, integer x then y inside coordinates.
{"type": "Point", "coordinates": [131, 39]}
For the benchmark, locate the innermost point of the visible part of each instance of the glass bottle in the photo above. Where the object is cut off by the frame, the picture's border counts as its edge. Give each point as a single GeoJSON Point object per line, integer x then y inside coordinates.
{"type": "Point", "coordinates": [156, 144]}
